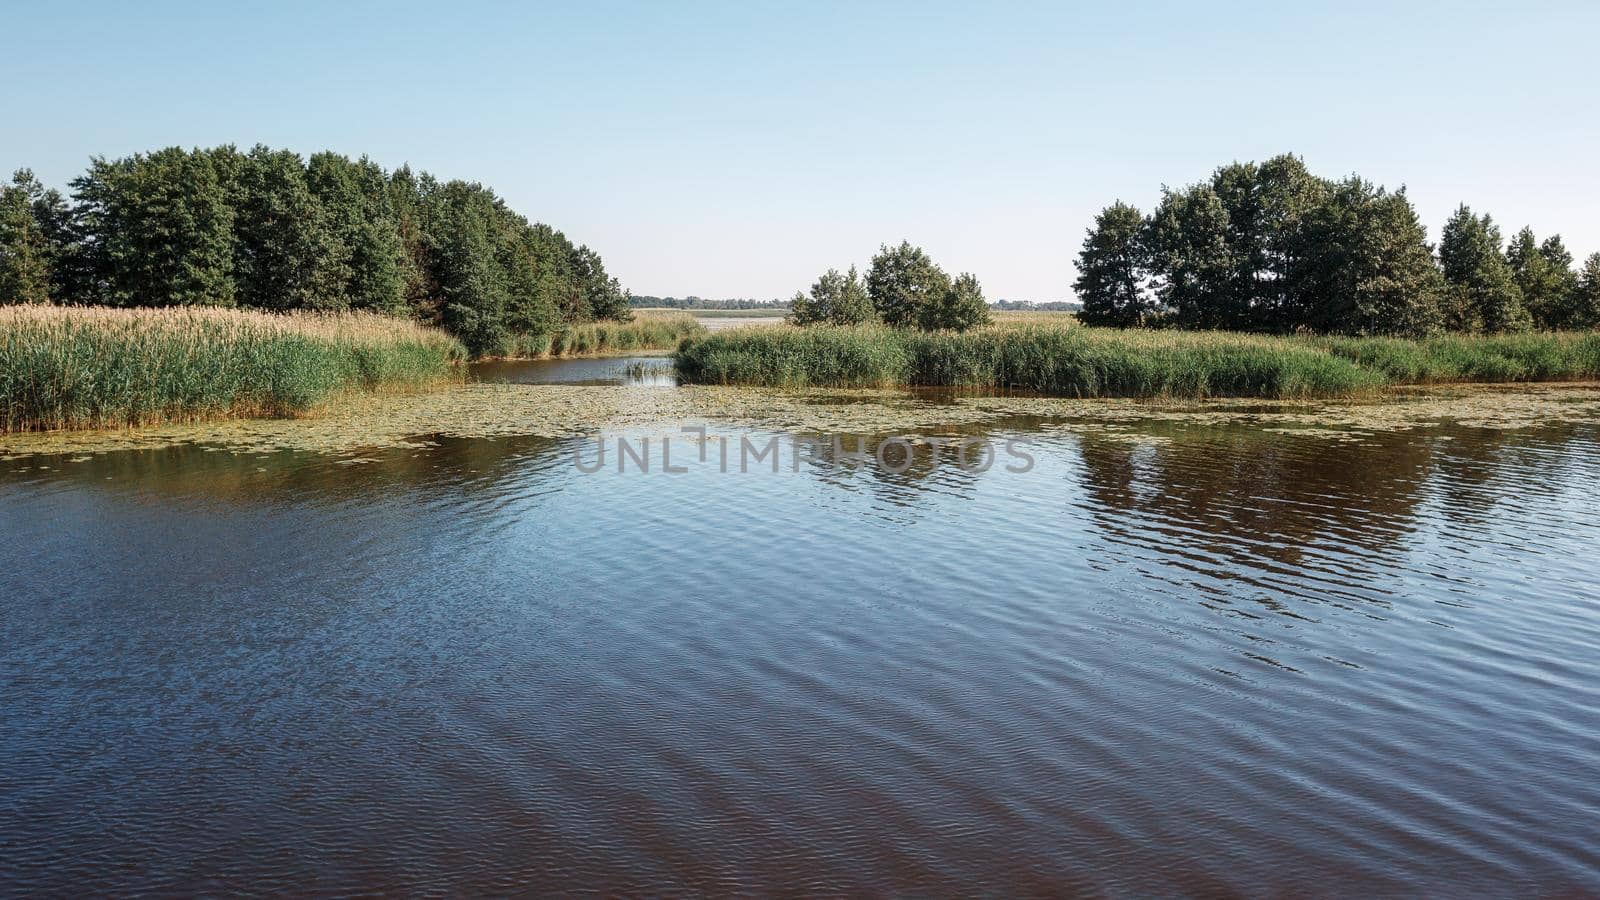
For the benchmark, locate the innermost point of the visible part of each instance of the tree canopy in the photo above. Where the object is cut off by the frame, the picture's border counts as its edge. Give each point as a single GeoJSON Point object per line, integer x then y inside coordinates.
{"type": "Point", "coordinates": [903, 288]}
{"type": "Point", "coordinates": [269, 229]}
{"type": "Point", "coordinates": [834, 299]}
{"type": "Point", "coordinates": [1271, 247]}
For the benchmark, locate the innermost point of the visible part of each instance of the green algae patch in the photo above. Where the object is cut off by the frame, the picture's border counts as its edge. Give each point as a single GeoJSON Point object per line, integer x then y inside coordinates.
{"type": "Point", "coordinates": [482, 410]}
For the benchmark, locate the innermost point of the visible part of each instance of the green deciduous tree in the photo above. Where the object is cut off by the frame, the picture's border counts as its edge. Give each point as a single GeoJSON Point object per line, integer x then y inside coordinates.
{"type": "Point", "coordinates": [1543, 272]}
{"type": "Point", "coordinates": [158, 230]}
{"type": "Point", "coordinates": [1267, 247]}
{"type": "Point", "coordinates": [287, 255]}
{"type": "Point", "coordinates": [1482, 293]}
{"type": "Point", "coordinates": [357, 209]}
{"type": "Point", "coordinates": [901, 280]}
{"type": "Point", "coordinates": [1195, 269]}
{"type": "Point", "coordinates": [268, 229]}
{"type": "Point", "coordinates": [1113, 267]}
{"type": "Point", "coordinates": [603, 295]}
{"type": "Point", "coordinates": [1286, 194]}
{"type": "Point", "coordinates": [835, 299]}
{"type": "Point", "coordinates": [960, 308]}
{"type": "Point", "coordinates": [1362, 265]}
{"type": "Point", "coordinates": [1586, 300]}
{"type": "Point", "coordinates": [473, 284]}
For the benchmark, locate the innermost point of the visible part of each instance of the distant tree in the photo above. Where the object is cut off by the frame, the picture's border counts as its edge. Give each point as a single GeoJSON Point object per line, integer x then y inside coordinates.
{"type": "Point", "coordinates": [901, 280]}
{"type": "Point", "coordinates": [960, 308]}
{"type": "Point", "coordinates": [604, 297]}
{"type": "Point", "coordinates": [26, 253]}
{"type": "Point", "coordinates": [1543, 272]}
{"type": "Point", "coordinates": [1362, 265]}
{"type": "Point", "coordinates": [802, 311]}
{"type": "Point", "coordinates": [1586, 300]}
{"type": "Point", "coordinates": [159, 230]}
{"type": "Point", "coordinates": [1194, 267]}
{"type": "Point", "coordinates": [835, 299]}
{"type": "Point", "coordinates": [554, 267]}
{"type": "Point", "coordinates": [529, 309]}
{"type": "Point", "coordinates": [1483, 294]}
{"type": "Point", "coordinates": [1113, 267]}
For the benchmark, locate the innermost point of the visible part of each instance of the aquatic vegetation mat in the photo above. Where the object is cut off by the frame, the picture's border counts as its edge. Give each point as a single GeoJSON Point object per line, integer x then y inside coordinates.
{"type": "Point", "coordinates": [351, 424]}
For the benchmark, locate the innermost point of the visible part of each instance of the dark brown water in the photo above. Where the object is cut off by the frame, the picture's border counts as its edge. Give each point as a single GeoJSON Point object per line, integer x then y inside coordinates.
{"type": "Point", "coordinates": [1233, 661]}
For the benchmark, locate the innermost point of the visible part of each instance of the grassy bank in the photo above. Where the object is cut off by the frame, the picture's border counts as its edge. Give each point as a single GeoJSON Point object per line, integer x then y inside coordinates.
{"type": "Point", "coordinates": [649, 330]}
{"type": "Point", "coordinates": [1073, 361]}
{"type": "Point", "coordinates": [90, 367]}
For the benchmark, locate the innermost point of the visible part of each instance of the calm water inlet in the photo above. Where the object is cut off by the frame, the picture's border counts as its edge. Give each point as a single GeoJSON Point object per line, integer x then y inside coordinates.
{"type": "Point", "coordinates": [1205, 659]}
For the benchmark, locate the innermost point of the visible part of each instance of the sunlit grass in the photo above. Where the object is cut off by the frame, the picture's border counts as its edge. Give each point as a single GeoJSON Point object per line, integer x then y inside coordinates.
{"type": "Point", "coordinates": [90, 367]}
{"type": "Point", "coordinates": [1073, 361]}
{"type": "Point", "coordinates": [649, 330]}
{"type": "Point", "coordinates": [1033, 317]}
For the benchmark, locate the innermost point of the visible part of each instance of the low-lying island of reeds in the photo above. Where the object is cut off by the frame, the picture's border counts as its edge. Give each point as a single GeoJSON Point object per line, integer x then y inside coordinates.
{"type": "Point", "coordinates": [1070, 361]}
{"type": "Point", "coordinates": [647, 330]}
{"type": "Point", "coordinates": [91, 367]}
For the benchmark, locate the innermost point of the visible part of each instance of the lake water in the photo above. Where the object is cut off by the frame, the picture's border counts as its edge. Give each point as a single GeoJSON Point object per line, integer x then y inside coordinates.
{"type": "Point", "coordinates": [1207, 658]}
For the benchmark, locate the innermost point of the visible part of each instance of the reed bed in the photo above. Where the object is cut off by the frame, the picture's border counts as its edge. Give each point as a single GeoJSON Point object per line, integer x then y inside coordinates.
{"type": "Point", "coordinates": [1074, 361]}
{"type": "Point", "coordinates": [647, 331]}
{"type": "Point", "coordinates": [1536, 356]}
{"type": "Point", "coordinates": [93, 367]}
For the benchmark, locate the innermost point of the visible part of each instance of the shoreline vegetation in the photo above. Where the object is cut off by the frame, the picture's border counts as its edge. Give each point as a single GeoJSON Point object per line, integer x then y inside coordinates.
{"type": "Point", "coordinates": [193, 285]}
{"type": "Point", "coordinates": [1272, 248]}
{"type": "Point", "coordinates": [65, 367]}
{"type": "Point", "coordinates": [648, 330]}
{"type": "Point", "coordinates": [96, 367]}
{"type": "Point", "coordinates": [1082, 362]}
{"type": "Point", "coordinates": [271, 230]}
{"type": "Point", "coordinates": [1265, 281]}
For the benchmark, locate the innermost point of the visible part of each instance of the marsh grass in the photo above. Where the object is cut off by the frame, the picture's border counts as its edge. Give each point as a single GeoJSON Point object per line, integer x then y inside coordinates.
{"type": "Point", "coordinates": [649, 330]}
{"type": "Point", "coordinates": [1537, 356]}
{"type": "Point", "coordinates": [1072, 361]}
{"type": "Point", "coordinates": [1034, 317]}
{"type": "Point", "coordinates": [90, 367]}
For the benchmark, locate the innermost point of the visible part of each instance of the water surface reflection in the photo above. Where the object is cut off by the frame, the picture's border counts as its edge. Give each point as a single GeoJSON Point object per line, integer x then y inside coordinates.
{"type": "Point", "coordinates": [1184, 658]}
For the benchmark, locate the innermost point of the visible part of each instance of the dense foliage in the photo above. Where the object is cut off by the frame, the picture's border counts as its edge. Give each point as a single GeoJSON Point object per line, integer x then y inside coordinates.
{"type": "Point", "coordinates": [267, 229]}
{"type": "Point", "coordinates": [1103, 362]}
{"type": "Point", "coordinates": [903, 288]}
{"type": "Point", "coordinates": [78, 367]}
{"type": "Point", "coordinates": [835, 299]}
{"type": "Point", "coordinates": [1270, 247]}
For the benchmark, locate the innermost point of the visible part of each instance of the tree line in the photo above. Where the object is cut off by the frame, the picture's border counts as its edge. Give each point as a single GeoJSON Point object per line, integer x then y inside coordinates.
{"type": "Point", "coordinates": [1271, 247]}
{"type": "Point", "coordinates": [645, 301]}
{"type": "Point", "coordinates": [268, 229]}
{"type": "Point", "coordinates": [903, 288]}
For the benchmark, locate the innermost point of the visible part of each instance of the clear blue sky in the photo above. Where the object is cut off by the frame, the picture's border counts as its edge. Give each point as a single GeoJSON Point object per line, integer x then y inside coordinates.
{"type": "Point", "coordinates": [738, 149]}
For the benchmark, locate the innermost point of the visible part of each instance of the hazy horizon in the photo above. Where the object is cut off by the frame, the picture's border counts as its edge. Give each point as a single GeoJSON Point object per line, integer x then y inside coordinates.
{"type": "Point", "coordinates": [726, 151]}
